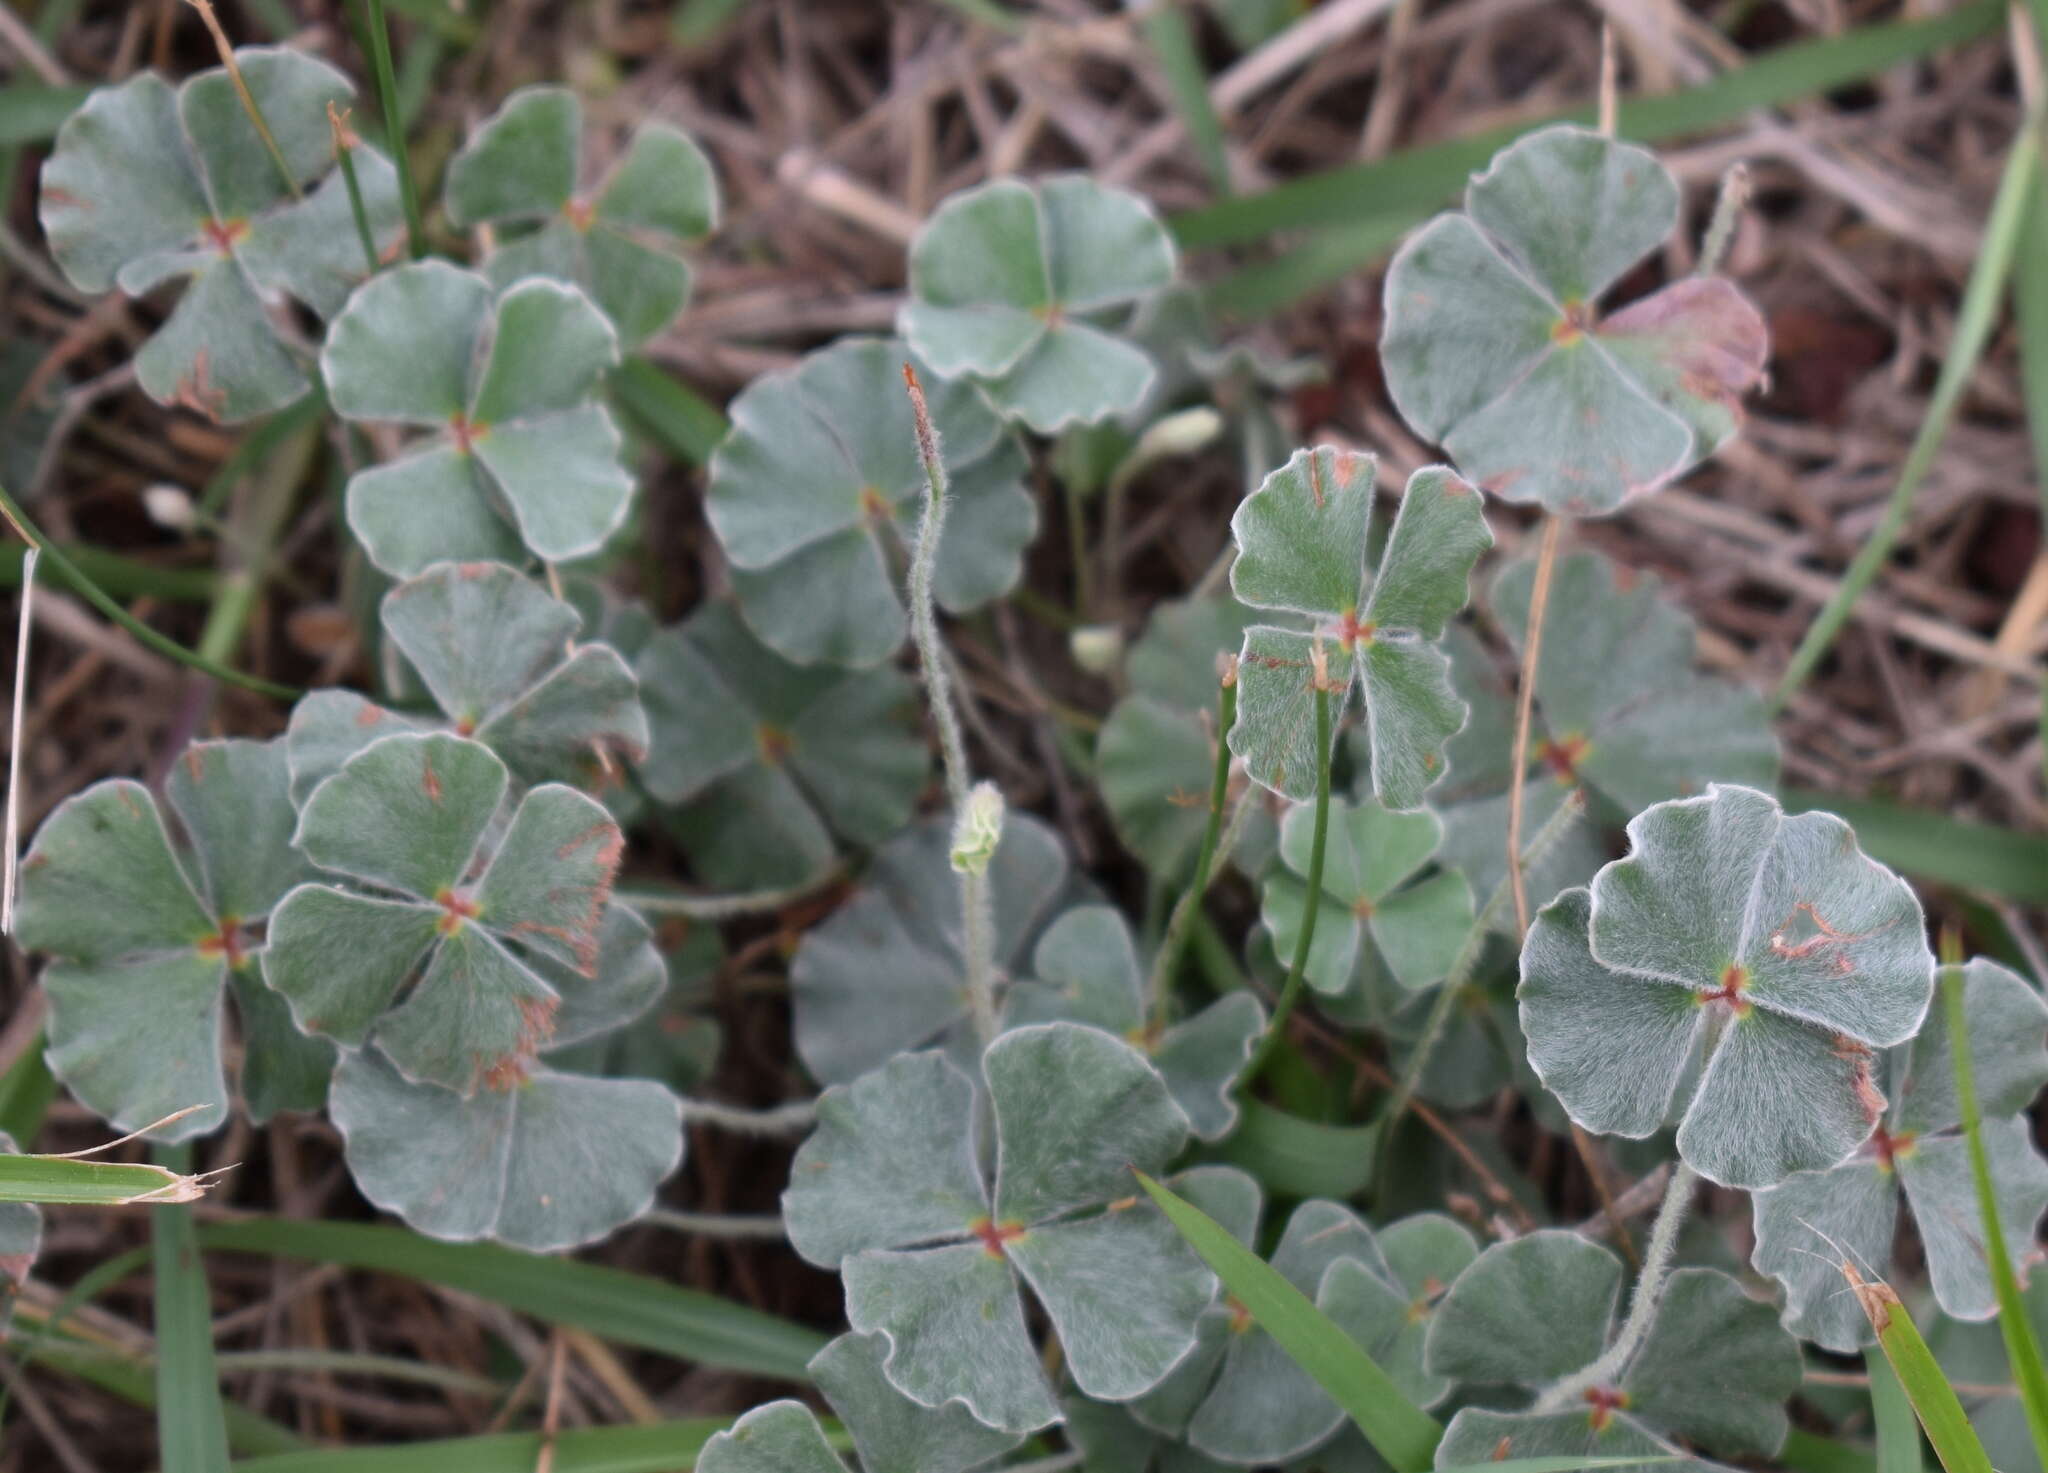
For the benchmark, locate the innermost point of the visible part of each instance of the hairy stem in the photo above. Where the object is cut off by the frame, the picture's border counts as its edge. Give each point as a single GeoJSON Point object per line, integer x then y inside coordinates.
{"type": "Point", "coordinates": [1473, 947]}
{"type": "Point", "coordinates": [1642, 1309]}
{"type": "Point", "coordinates": [1525, 705]}
{"type": "Point", "coordinates": [767, 1226]}
{"type": "Point", "coordinates": [726, 907]}
{"type": "Point", "coordinates": [379, 37]}
{"type": "Point", "coordinates": [1171, 949]}
{"type": "Point", "coordinates": [1290, 990]}
{"type": "Point", "coordinates": [793, 1117]}
{"type": "Point", "coordinates": [978, 921]}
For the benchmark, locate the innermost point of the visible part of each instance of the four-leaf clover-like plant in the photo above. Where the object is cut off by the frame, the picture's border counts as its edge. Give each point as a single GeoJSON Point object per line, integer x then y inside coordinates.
{"type": "Point", "coordinates": [1301, 551]}
{"type": "Point", "coordinates": [523, 459]}
{"type": "Point", "coordinates": [1494, 347]}
{"type": "Point", "coordinates": [1740, 968]}
{"type": "Point", "coordinates": [1015, 285]}
{"type": "Point", "coordinates": [890, 1191]}
{"type": "Point", "coordinates": [149, 184]}
{"type": "Point", "coordinates": [620, 241]}
{"type": "Point", "coordinates": [1918, 1154]}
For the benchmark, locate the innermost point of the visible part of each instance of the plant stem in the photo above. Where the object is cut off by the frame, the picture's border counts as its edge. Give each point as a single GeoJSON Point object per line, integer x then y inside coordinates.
{"type": "Point", "coordinates": [345, 145]}
{"type": "Point", "coordinates": [191, 1424]}
{"type": "Point", "coordinates": [1975, 319]}
{"type": "Point", "coordinates": [791, 1118]}
{"type": "Point", "coordinates": [1175, 944]}
{"type": "Point", "coordinates": [1077, 552]}
{"type": "Point", "coordinates": [1290, 990]}
{"type": "Point", "coordinates": [27, 530]}
{"type": "Point", "coordinates": [767, 1226]}
{"type": "Point", "coordinates": [394, 124]}
{"type": "Point", "coordinates": [726, 907]}
{"type": "Point", "coordinates": [1728, 207]}
{"type": "Point", "coordinates": [1525, 705]}
{"type": "Point", "coordinates": [1642, 1309]}
{"type": "Point", "coordinates": [226, 48]}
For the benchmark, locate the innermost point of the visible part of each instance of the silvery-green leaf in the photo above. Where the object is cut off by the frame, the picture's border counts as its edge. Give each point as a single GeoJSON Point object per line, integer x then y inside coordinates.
{"type": "Point", "coordinates": [1109, 1439]}
{"type": "Point", "coordinates": [576, 726]}
{"type": "Point", "coordinates": [843, 745]}
{"type": "Point", "coordinates": [119, 186]}
{"type": "Point", "coordinates": [641, 289]}
{"type": "Point", "coordinates": [2008, 1027]}
{"type": "Point", "coordinates": [820, 473]}
{"type": "Point", "coordinates": [133, 1065]}
{"type": "Point", "coordinates": [473, 1019]}
{"type": "Point", "coordinates": [1275, 732]}
{"type": "Point", "coordinates": [1804, 1222]}
{"type": "Point", "coordinates": [781, 1437]}
{"type": "Point", "coordinates": [1201, 1056]}
{"type": "Point", "coordinates": [551, 878]}
{"type": "Point", "coordinates": [479, 634]}
{"type": "Point", "coordinates": [1622, 707]}
{"type": "Point", "coordinates": [100, 882]}
{"type": "Point", "coordinates": [562, 476]}
{"type": "Point", "coordinates": [999, 274]}
{"type": "Point", "coordinates": [629, 976]}
{"type": "Point", "coordinates": [339, 959]}
{"type": "Point", "coordinates": [755, 830]}
{"type": "Point", "coordinates": [890, 1164]}
{"type": "Point", "coordinates": [885, 972]}
{"type": "Point", "coordinates": [282, 1068]}
{"type": "Point", "coordinates": [550, 1162]}
{"type": "Point", "coordinates": [1391, 1316]}
{"type": "Point", "coordinates": [1076, 1113]}
{"type": "Point", "coordinates": [405, 349]}
{"type": "Point", "coordinates": [1174, 661]}
{"type": "Point", "coordinates": [1475, 839]}
{"type": "Point", "coordinates": [1301, 537]}
{"type": "Point", "coordinates": [293, 91]}
{"type": "Point", "coordinates": [550, 349]}
{"type": "Point", "coordinates": [1410, 712]}
{"type": "Point", "coordinates": [406, 812]}
{"type": "Point", "coordinates": [663, 185]}
{"type": "Point", "coordinates": [956, 1332]}
{"type": "Point", "coordinates": [310, 250]}
{"type": "Point", "coordinates": [1715, 1369]}
{"type": "Point", "coordinates": [1262, 1407]}
{"type": "Point", "coordinates": [218, 354]}
{"type": "Point", "coordinates": [327, 728]}
{"type": "Point", "coordinates": [1527, 1312]}
{"type": "Point", "coordinates": [1152, 765]}
{"type": "Point", "coordinates": [520, 162]}
{"type": "Point", "coordinates": [1493, 346]}
{"type": "Point", "coordinates": [426, 508]}
{"type": "Point", "coordinates": [891, 1433]}
{"type": "Point", "coordinates": [672, 1040]}
{"type": "Point", "coordinates": [1478, 1436]}
{"type": "Point", "coordinates": [1123, 1290]}
{"type": "Point", "coordinates": [1943, 1195]}
{"type": "Point", "coordinates": [1438, 534]}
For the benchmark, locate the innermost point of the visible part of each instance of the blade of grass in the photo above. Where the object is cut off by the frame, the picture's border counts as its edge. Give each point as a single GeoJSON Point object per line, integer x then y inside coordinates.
{"type": "Point", "coordinates": [661, 1448]}
{"type": "Point", "coordinates": [2030, 310]}
{"type": "Point", "coordinates": [1932, 846]}
{"type": "Point", "coordinates": [1898, 1430]}
{"type": "Point", "coordinates": [1974, 321]}
{"type": "Point", "coordinates": [378, 34]}
{"type": "Point", "coordinates": [122, 577]}
{"type": "Point", "coordinates": [1173, 46]}
{"type": "Point", "coordinates": [26, 1090]}
{"type": "Point", "coordinates": [30, 113]}
{"type": "Point", "coordinates": [627, 1308]}
{"type": "Point", "coordinates": [1934, 1400]}
{"type": "Point", "coordinates": [683, 422]}
{"type": "Point", "coordinates": [249, 1435]}
{"type": "Point", "coordinates": [191, 1427]}
{"type": "Point", "coordinates": [1809, 1452]}
{"type": "Point", "coordinates": [1401, 1432]}
{"type": "Point", "coordinates": [1293, 1157]}
{"type": "Point", "coordinates": [2022, 1350]}
{"type": "Point", "coordinates": [65, 1180]}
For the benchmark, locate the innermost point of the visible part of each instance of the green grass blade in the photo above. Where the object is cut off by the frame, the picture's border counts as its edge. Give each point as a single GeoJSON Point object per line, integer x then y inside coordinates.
{"type": "Point", "coordinates": [1401, 1432]}
{"type": "Point", "coordinates": [191, 1427]}
{"type": "Point", "coordinates": [661, 1448]}
{"type": "Point", "coordinates": [629, 1309]}
{"type": "Point", "coordinates": [1293, 1157]}
{"type": "Point", "coordinates": [2022, 1350]}
{"type": "Point", "coordinates": [1934, 1400]}
{"type": "Point", "coordinates": [1809, 1452]}
{"type": "Point", "coordinates": [1898, 1430]}
{"type": "Point", "coordinates": [684, 423]}
{"type": "Point", "coordinates": [26, 1091]}
{"type": "Point", "coordinates": [1974, 321]}
{"type": "Point", "coordinates": [63, 1180]}
{"type": "Point", "coordinates": [249, 1435]}
{"type": "Point", "coordinates": [1173, 46]}
{"type": "Point", "coordinates": [1932, 846]}
{"type": "Point", "coordinates": [2030, 309]}
{"type": "Point", "coordinates": [33, 114]}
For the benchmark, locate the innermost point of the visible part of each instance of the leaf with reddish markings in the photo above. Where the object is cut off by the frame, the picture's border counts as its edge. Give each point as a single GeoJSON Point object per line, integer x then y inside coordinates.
{"type": "Point", "coordinates": [890, 1190]}
{"type": "Point", "coordinates": [1808, 1223]}
{"type": "Point", "coordinates": [144, 930]}
{"type": "Point", "coordinates": [521, 454]}
{"type": "Point", "coordinates": [1768, 939]}
{"type": "Point", "coordinates": [499, 658]}
{"type": "Point", "coordinates": [1494, 347]}
{"type": "Point", "coordinates": [817, 487]}
{"type": "Point", "coordinates": [620, 240]}
{"type": "Point", "coordinates": [1302, 550]}
{"type": "Point", "coordinates": [775, 763]}
{"type": "Point", "coordinates": [1013, 283]}
{"type": "Point", "coordinates": [456, 922]}
{"type": "Point", "coordinates": [147, 184]}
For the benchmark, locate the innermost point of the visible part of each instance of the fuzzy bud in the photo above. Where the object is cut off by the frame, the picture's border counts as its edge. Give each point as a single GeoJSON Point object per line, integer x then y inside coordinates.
{"type": "Point", "coordinates": [1182, 433]}
{"type": "Point", "coordinates": [978, 829]}
{"type": "Point", "coordinates": [1096, 647]}
{"type": "Point", "coordinates": [1226, 668]}
{"type": "Point", "coordinates": [170, 507]}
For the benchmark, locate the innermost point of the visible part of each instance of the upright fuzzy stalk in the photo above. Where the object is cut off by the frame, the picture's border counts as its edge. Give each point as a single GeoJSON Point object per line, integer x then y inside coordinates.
{"type": "Point", "coordinates": [1525, 704]}
{"type": "Point", "coordinates": [345, 145]}
{"type": "Point", "coordinates": [977, 809]}
{"type": "Point", "coordinates": [1642, 1309]}
{"type": "Point", "coordinates": [379, 37]}
{"type": "Point", "coordinates": [1290, 990]}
